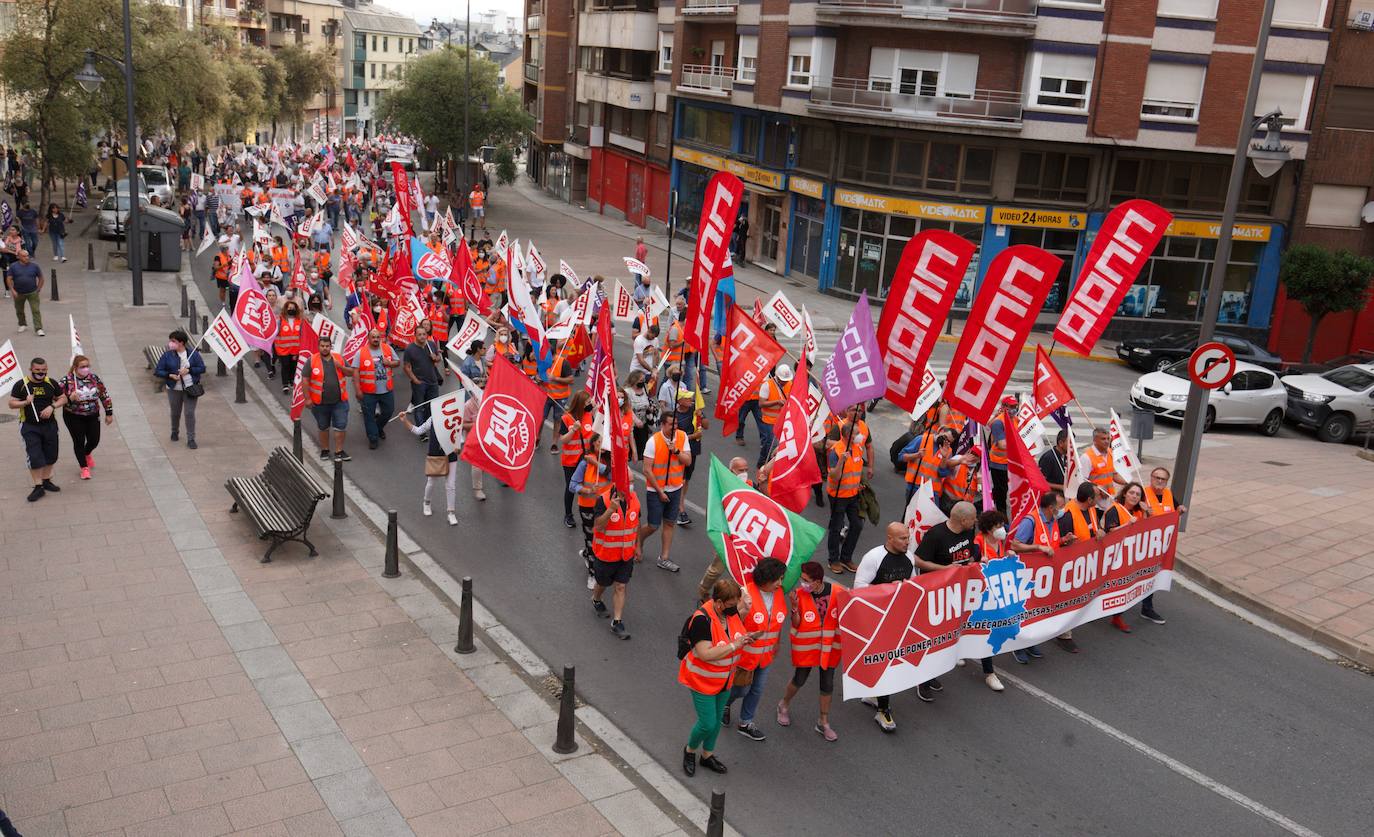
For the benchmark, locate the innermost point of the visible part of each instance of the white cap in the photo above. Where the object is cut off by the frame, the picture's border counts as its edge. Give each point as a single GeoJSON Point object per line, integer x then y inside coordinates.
{"type": "Point", "coordinates": [784, 372]}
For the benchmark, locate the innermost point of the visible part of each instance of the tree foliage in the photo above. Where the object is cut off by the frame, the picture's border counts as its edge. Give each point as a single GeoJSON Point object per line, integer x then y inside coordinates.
{"type": "Point", "coordinates": [1325, 282]}
{"type": "Point", "coordinates": [306, 73]}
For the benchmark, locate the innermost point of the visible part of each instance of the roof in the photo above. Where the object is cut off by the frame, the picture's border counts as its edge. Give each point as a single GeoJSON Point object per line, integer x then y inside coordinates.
{"type": "Point", "coordinates": [383, 20]}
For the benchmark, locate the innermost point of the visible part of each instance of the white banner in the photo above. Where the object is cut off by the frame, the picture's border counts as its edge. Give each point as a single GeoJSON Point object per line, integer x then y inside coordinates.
{"type": "Point", "coordinates": [808, 336]}
{"type": "Point", "coordinates": [922, 514]}
{"type": "Point", "coordinates": [10, 372]}
{"type": "Point", "coordinates": [782, 313]}
{"type": "Point", "coordinates": [566, 269]}
{"type": "Point", "coordinates": [76, 337]}
{"type": "Point", "coordinates": [929, 395]}
{"type": "Point", "coordinates": [224, 339]}
{"type": "Point", "coordinates": [473, 328]}
{"type": "Point", "coordinates": [534, 263]}
{"type": "Point", "coordinates": [324, 327]}
{"type": "Point", "coordinates": [1030, 428]}
{"type": "Point", "coordinates": [447, 411]}
{"type": "Point", "coordinates": [658, 303]}
{"type": "Point", "coordinates": [1122, 458]}
{"type": "Point", "coordinates": [636, 266]}
{"type": "Point", "coordinates": [206, 241]}
{"type": "Point", "coordinates": [622, 305]}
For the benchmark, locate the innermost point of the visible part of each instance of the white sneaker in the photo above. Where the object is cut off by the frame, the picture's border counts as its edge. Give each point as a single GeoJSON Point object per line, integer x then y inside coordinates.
{"type": "Point", "coordinates": [481, 495]}
{"type": "Point", "coordinates": [452, 519]}
{"type": "Point", "coordinates": [22, 328]}
{"type": "Point", "coordinates": [994, 682]}
{"type": "Point", "coordinates": [591, 582]}
{"type": "Point", "coordinates": [427, 509]}
{"type": "Point", "coordinates": [41, 333]}
{"type": "Point", "coordinates": [885, 721]}
{"type": "Point", "coordinates": [873, 702]}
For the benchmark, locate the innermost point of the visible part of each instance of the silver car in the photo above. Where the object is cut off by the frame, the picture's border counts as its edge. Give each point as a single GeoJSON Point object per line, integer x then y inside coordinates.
{"type": "Point", "coordinates": [112, 220]}
{"type": "Point", "coordinates": [156, 181]}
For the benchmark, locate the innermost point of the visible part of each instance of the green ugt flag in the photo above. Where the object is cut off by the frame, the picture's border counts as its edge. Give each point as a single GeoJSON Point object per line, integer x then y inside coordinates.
{"type": "Point", "coordinates": [746, 526]}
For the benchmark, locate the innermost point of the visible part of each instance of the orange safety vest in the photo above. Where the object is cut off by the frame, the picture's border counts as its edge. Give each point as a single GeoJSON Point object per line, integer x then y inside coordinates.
{"type": "Point", "coordinates": [367, 369]}
{"type": "Point", "coordinates": [1125, 516]}
{"type": "Point", "coordinates": [573, 450]}
{"type": "Point", "coordinates": [771, 391]}
{"type": "Point", "coordinates": [438, 320]}
{"type": "Point", "coordinates": [927, 467]}
{"type": "Point", "coordinates": [1102, 470]}
{"type": "Point", "coordinates": [1046, 534]}
{"type": "Point", "coordinates": [222, 264]}
{"type": "Point", "coordinates": [457, 305]}
{"type": "Point", "coordinates": [322, 261]}
{"type": "Point", "coordinates": [288, 336]}
{"type": "Point", "coordinates": [618, 540]}
{"type": "Point", "coordinates": [760, 653]}
{"type": "Point", "coordinates": [476, 199]}
{"type": "Point", "coordinates": [816, 641]}
{"type": "Point", "coordinates": [665, 466]}
{"type": "Point", "coordinates": [676, 348]}
{"type": "Point", "coordinates": [712, 678]}
{"type": "Point", "coordinates": [593, 481]}
{"type": "Point", "coordinates": [1083, 526]}
{"type": "Point", "coordinates": [317, 377]}
{"type": "Point", "coordinates": [280, 260]}
{"type": "Point", "coordinates": [1160, 505]}
{"type": "Point", "coordinates": [995, 456]}
{"type": "Point", "coordinates": [990, 552]}
{"type": "Point", "coordinates": [963, 485]}
{"type": "Point", "coordinates": [555, 390]}
{"type": "Point", "coordinates": [845, 476]}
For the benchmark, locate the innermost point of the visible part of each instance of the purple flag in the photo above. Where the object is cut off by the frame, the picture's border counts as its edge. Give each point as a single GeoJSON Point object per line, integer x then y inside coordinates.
{"type": "Point", "coordinates": [854, 372]}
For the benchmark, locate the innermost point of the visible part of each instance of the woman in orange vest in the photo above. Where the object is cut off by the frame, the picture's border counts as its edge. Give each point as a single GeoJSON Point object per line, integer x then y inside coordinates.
{"type": "Point", "coordinates": [1129, 506]}
{"type": "Point", "coordinates": [590, 482]}
{"type": "Point", "coordinates": [288, 343]}
{"type": "Point", "coordinates": [281, 258]}
{"type": "Point", "coordinates": [814, 606]}
{"type": "Point", "coordinates": [1035, 539]}
{"type": "Point", "coordinates": [574, 444]}
{"type": "Point", "coordinates": [845, 470]}
{"type": "Point", "coordinates": [991, 540]}
{"type": "Point", "coordinates": [767, 613]}
{"type": "Point", "coordinates": [715, 636]}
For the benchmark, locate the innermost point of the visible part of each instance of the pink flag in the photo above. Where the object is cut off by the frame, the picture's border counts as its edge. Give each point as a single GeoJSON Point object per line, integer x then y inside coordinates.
{"type": "Point", "coordinates": [253, 314]}
{"type": "Point", "coordinates": [855, 371]}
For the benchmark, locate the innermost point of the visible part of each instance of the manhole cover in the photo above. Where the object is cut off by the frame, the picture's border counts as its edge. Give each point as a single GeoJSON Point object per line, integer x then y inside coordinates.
{"type": "Point", "coordinates": [1276, 462]}
{"type": "Point", "coordinates": [553, 684]}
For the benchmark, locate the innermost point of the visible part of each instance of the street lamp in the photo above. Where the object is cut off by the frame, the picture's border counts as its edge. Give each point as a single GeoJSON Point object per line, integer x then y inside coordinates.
{"type": "Point", "coordinates": [1268, 157]}
{"type": "Point", "coordinates": [90, 80]}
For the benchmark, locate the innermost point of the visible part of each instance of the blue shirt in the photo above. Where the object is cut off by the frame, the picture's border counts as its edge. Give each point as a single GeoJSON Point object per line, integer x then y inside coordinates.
{"type": "Point", "coordinates": [999, 434]}
{"type": "Point", "coordinates": [25, 277]}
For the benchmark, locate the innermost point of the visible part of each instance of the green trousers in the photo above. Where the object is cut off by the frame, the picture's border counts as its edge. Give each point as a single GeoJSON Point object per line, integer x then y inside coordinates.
{"type": "Point", "coordinates": [710, 709]}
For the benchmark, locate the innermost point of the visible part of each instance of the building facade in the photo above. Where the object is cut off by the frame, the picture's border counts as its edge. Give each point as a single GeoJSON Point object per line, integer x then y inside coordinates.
{"type": "Point", "coordinates": [315, 25]}
{"type": "Point", "coordinates": [1333, 205]}
{"type": "Point", "coordinates": [550, 32]}
{"type": "Point", "coordinates": [376, 43]}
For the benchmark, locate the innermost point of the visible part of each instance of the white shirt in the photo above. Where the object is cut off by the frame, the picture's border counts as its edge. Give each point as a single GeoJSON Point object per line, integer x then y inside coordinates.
{"type": "Point", "coordinates": [650, 451]}
{"type": "Point", "coordinates": [642, 344]}
{"type": "Point", "coordinates": [432, 204]}
{"type": "Point", "coordinates": [868, 566]}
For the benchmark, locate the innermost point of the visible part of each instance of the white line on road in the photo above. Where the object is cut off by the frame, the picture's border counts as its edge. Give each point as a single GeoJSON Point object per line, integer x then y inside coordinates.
{"type": "Point", "coordinates": [1173, 764]}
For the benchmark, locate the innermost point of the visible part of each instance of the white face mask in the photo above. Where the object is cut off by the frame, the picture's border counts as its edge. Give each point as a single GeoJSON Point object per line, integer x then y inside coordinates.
{"type": "Point", "coordinates": [1000, 533]}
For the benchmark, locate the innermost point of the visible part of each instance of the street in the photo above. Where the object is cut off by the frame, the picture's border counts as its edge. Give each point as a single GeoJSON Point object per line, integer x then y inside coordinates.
{"type": "Point", "coordinates": [1205, 725]}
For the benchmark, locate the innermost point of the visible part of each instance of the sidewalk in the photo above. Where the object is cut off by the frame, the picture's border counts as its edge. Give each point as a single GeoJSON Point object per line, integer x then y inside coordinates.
{"type": "Point", "coordinates": [156, 679]}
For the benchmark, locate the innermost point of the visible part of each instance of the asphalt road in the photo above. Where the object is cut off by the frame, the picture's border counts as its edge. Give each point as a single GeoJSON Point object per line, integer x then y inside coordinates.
{"type": "Point", "coordinates": [1205, 725]}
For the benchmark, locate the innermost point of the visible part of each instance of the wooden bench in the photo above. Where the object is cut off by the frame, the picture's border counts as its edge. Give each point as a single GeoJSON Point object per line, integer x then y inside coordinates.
{"type": "Point", "coordinates": [152, 354]}
{"type": "Point", "coordinates": [280, 501]}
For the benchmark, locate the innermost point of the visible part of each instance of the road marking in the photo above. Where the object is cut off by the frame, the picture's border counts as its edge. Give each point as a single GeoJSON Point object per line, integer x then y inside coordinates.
{"type": "Point", "coordinates": [1173, 764]}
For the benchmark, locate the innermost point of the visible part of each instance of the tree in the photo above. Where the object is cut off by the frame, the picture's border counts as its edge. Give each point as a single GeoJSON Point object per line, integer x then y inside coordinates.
{"type": "Point", "coordinates": [428, 104]}
{"type": "Point", "coordinates": [246, 106]}
{"type": "Point", "coordinates": [306, 74]}
{"type": "Point", "coordinates": [1324, 282]}
{"type": "Point", "coordinates": [505, 165]}
{"type": "Point", "coordinates": [183, 86]}
{"type": "Point", "coordinates": [272, 76]}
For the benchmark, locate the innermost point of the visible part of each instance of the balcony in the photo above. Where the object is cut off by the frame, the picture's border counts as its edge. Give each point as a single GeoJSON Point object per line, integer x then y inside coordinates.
{"type": "Point", "coordinates": [874, 98]}
{"type": "Point", "coordinates": [710, 8]}
{"type": "Point", "coordinates": [1014, 18]}
{"type": "Point", "coordinates": [534, 23]}
{"type": "Point", "coordinates": [618, 29]}
{"type": "Point", "coordinates": [282, 37]}
{"type": "Point", "coordinates": [614, 89]}
{"type": "Point", "coordinates": [707, 80]}
{"type": "Point", "coordinates": [531, 73]}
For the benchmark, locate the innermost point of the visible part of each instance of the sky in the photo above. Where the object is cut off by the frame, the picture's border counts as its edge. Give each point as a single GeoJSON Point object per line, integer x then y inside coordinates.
{"type": "Point", "coordinates": [425, 10]}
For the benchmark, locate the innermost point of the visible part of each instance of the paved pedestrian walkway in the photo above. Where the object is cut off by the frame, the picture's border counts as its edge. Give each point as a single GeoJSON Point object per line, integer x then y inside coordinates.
{"type": "Point", "coordinates": [156, 679]}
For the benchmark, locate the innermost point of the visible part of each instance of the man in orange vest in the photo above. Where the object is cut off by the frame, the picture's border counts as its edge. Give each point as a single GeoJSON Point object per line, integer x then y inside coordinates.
{"type": "Point", "coordinates": [666, 455]}
{"type": "Point", "coordinates": [1160, 499]}
{"type": "Point", "coordinates": [772, 395]}
{"type": "Point", "coordinates": [764, 611]}
{"type": "Point", "coordinates": [376, 361]}
{"type": "Point", "coordinates": [1001, 424]}
{"type": "Point", "coordinates": [328, 396]}
{"type": "Point", "coordinates": [223, 263]}
{"type": "Point", "coordinates": [1035, 538]}
{"type": "Point", "coordinates": [814, 637]}
{"type": "Point", "coordinates": [477, 201]}
{"type": "Point", "coordinates": [1101, 471]}
{"type": "Point", "coordinates": [615, 551]}
{"type": "Point", "coordinates": [846, 464]}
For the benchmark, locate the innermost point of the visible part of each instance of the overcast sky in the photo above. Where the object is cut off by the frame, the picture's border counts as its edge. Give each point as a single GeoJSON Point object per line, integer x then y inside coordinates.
{"type": "Point", "coordinates": [425, 10]}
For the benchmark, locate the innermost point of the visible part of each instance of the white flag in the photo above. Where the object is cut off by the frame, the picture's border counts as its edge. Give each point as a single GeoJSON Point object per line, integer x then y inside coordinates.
{"type": "Point", "coordinates": [929, 394]}
{"type": "Point", "coordinates": [636, 266]}
{"type": "Point", "coordinates": [10, 373]}
{"type": "Point", "coordinates": [197, 181]}
{"type": "Point", "coordinates": [350, 238]}
{"type": "Point", "coordinates": [469, 384]}
{"type": "Point", "coordinates": [225, 340]}
{"type": "Point", "coordinates": [782, 313]}
{"type": "Point", "coordinates": [1074, 468]}
{"type": "Point", "coordinates": [808, 337]}
{"type": "Point", "coordinates": [447, 412]}
{"type": "Point", "coordinates": [658, 303]}
{"type": "Point", "coordinates": [562, 329]}
{"type": "Point", "coordinates": [1030, 428]}
{"type": "Point", "coordinates": [534, 263]}
{"type": "Point", "coordinates": [1122, 458]}
{"type": "Point", "coordinates": [473, 328]}
{"type": "Point", "coordinates": [922, 514]}
{"type": "Point", "coordinates": [205, 240]}
{"type": "Point", "coordinates": [566, 269]}
{"type": "Point", "coordinates": [622, 304]}
{"type": "Point", "coordinates": [76, 338]}
{"type": "Point", "coordinates": [324, 327]}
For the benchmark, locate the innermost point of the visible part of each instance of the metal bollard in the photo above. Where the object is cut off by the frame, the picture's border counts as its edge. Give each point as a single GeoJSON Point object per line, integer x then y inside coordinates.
{"type": "Point", "coordinates": [204, 323]}
{"type": "Point", "coordinates": [297, 446]}
{"type": "Point", "coordinates": [54, 296]}
{"type": "Point", "coordinates": [185, 301]}
{"type": "Point", "coordinates": [192, 319]}
{"type": "Point", "coordinates": [90, 256]}
{"type": "Point", "coordinates": [565, 743]}
{"type": "Point", "coordinates": [465, 644]}
{"type": "Point", "coordinates": [392, 568]}
{"type": "Point", "coordinates": [220, 369]}
{"type": "Point", "coordinates": [338, 511]}
{"type": "Point", "coordinates": [240, 387]}
{"type": "Point", "coordinates": [715, 823]}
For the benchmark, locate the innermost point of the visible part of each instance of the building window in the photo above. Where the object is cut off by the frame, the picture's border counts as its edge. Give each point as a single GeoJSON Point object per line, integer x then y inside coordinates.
{"type": "Point", "coordinates": [373, 71]}
{"type": "Point", "coordinates": [1336, 206]}
{"type": "Point", "coordinates": [386, 44]}
{"type": "Point", "coordinates": [305, 26]}
{"type": "Point", "coordinates": [916, 164]}
{"type": "Point", "coordinates": [1350, 107]}
{"type": "Point", "coordinates": [1172, 92]}
{"type": "Point", "coordinates": [351, 97]}
{"type": "Point", "coordinates": [749, 137]}
{"type": "Point", "coordinates": [374, 43]}
{"type": "Point", "coordinates": [665, 52]}
{"type": "Point", "coordinates": [1053, 176]}
{"type": "Point", "coordinates": [706, 126]}
{"type": "Point", "coordinates": [360, 41]}
{"type": "Point", "coordinates": [1062, 81]}
{"type": "Point", "coordinates": [383, 72]}
{"type": "Point", "coordinates": [1204, 9]}
{"type": "Point", "coordinates": [815, 147]}
{"type": "Point", "coordinates": [1182, 184]}
{"type": "Point", "coordinates": [777, 136]}
{"type": "Point", "coordinates": [1299, 12]}
{"type": "Point", "coordinates": [367, 98]}
{"type": "Point", "coordinates": [748, 58]}
{"type": "Point", "coordinates": [799, 63]}
{"type": "Point", "coordinates": [1289, 93]}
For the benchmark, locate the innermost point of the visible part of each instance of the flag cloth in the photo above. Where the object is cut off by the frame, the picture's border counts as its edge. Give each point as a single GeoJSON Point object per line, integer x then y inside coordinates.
{"type": "Point", "coordinates": [725, 297]}
{"type": "Point", "coordinates": [746, 357]}
{"type": "Point", "coordinates": [502, 441]}
{"type": "Point", "coordinates": [427, 265]}
{"type": "Point", "coordinates": [206, 240]}
{"type": "Point", "coordinates": [795, 468]}
{"type": "Point", "coordinates": [404, 196]}
{"type": "Point", "coordinates": [855, 372]}
{"type": "Point", "coordinates": [253, 314]}
{"type": "Point", "coordinates": [1123, 459]}
{"type": "Point", "coordinates": [1049, 391]}
{"type": "Point", "coordinates": [357, 338]}
{"type": "Point", "coordinates": [310, 344]}
{"type": "Point", "coordinates": [224, 339]}
{"type": "Point", "coordinates": [746, 526]}
{"type": "Point", "coordinates": [76, 338]}
{"type": "Point", "coordinates": [1025, 483]}
{"type": "Point", "coordinates": [719, 206]}
{"type": "Point", "coordinates": [808, 346]}
{"type": "Point", "coordinates": [447, 412]}
{"type": "Point", "coordinates": [10, 373]}
{"type": "Point", "coordinates": [7, 216]}
{"type": "Point", "coordinates": [922, 513]}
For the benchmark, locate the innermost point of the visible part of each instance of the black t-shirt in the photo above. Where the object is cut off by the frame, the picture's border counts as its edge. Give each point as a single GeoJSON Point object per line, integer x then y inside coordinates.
{"type": "Point", "coordinates": [895, 566]}
{"type": "Point", "coordinates": [421, 363]}
{"type": "Point", "coordinates": [699, 629]}
{"type": "Point", "coordinates": [1052, 467]}
{"type": "Point", "coordinates": [44, 393]}
{"type": "Point", "coordinates": [941, 546]}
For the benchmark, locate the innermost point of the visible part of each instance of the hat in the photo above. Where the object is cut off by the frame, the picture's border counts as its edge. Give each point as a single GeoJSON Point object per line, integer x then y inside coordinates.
{"type": "Point", "coordinates": [784, 372]}
{"type": "Point", "coordinates": [687, 394]}
{"type": "Point", "coordinates": [1010, 401]}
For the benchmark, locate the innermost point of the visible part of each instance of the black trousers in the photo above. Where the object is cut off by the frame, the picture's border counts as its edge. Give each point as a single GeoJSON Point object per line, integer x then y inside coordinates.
{"type": "Point", "coordinates": [843, 510]}
{"type": "Point", "coordinates": [85, 433]}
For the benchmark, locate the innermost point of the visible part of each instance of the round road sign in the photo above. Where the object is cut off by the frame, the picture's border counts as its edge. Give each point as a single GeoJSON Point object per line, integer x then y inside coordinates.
{"type": "Point", "coordinates": [1212, 365]}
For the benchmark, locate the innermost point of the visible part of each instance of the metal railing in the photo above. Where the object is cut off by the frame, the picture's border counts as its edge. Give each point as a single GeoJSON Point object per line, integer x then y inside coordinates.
{"type": "Point", "coordinates": [707, 77]}
{"type": "Point", "coordinates": [532, 73]}
{"type": "Point", "coordinates": [710, 7]}
{"type": "Point", "coordinates": [991, 11]}
{"type": "Point", "coordinates": [993, 107]}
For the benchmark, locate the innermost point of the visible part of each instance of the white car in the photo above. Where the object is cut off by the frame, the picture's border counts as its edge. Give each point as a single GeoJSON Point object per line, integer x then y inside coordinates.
{"type": "Point", "coordinates": [157, 181]}
{"type": "Point", "coordinates": [112, 222]}
{"type": "Point", "coordinates": [1253, 396]}
{"type": "Point", "coordinates": [1336, 403]}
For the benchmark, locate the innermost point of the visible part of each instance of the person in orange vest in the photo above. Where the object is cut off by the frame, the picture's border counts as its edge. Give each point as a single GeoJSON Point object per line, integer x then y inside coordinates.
{"type": "Point", "coordinates": [960, 479]}
{"type": "Point", "coordinates": [814, 610]}
{"type": "Point", "coordinates": [288, 343]}
{"type": "Point", "coordinates": [1002, 423]}
{"type": "Point", "coordinates": [615, 551]}
{"type": "Point", "coordinates": [322, 265]}
{"type": "Point", "coordinates": [666, 456]}
{"type": "Point", "coordinates": [575, 440]}
{"type": "Point", "coordinates": [1160, 498]}
{"type": "Point", "coordinates": [924, 456]}
{"type": "Point", "coordinates": [765, 613]}
{"type": "Point", "coordinates": [477, 202]}
{"type": "Point", "coordinates": [1036, 538]}
{"type": "Point", "coordinates": [223, 262]}
{"type": "Point", "coordinates": [715, 637]}
{"type": "Point", "coordinates": [1128, 507]}
{"type": "Point", "coordinates": [772, 396]}
{"type": "Point", "coordinates": [846, 463]}
{"type": "Point", "coordinates": [990, 544]}
{"type": "Point", "coordinates": [738, 466]}
{"type": "Point", "coordinates": [327, 393]}
{"type": "Point", "coordinates": [559, 389]}
{"type": "Point", "coordinates": [376, 364]}
{"type": "Point", "coordinates": [590, 482]}
{"type": "Point", "coordinates": [281, 258]}
{"type": "Point", "coordinates": [1101, 470]}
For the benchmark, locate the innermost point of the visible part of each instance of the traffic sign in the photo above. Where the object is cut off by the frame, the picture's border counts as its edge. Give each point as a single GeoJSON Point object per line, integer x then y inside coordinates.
{"type": "Point", "coordinates": [1212, 365]}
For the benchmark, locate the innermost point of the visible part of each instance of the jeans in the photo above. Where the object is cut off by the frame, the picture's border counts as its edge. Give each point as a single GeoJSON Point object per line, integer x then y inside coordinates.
{"type": "Point", "coordinates": [85, 433]}
{"type": "Point", "coordinates": [691, 365]}
{"type": "Point", "coordinates": [751, 406]}
{"type": "Point", "coordinates": [59, 245]}
{"type": "Point", "coordinates": [419, 394]}
{"type": "Point", "coordinates": [765, 443]}
{"type": "Point", "coordinates": [710, 709]}
{"type": "Point", "coordinates": [552, 410]}
{"type": "Point", "coordinates": [178, 401]}
{"type": "Point", "coordinates": [30, 240]}
{"type": "Point", "coordinates": [753, 693]}
{"type": "Point", "coordinates": [35, 300]}
{"type": "Point", "coordinates": [842, 509]}
{"type": "Point", "coordinates": [200, 223]}
{"type": "Point", "coordinates": [378, 408]}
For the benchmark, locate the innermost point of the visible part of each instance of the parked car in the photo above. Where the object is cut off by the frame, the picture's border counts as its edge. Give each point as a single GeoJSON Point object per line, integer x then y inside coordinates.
{"type": "Point", "coordinates": [1254, 396]}
{"type": "Point", "coordinates": [156, 181]}
{"type": "Point", "coordinates": [1336, 403]}
{"type": "Point", "coordinates": [1365, 356]}
{"type": "Point", "coordinates": [1155, 353]}
{"type": "Point", "coordinates": [112, 220]}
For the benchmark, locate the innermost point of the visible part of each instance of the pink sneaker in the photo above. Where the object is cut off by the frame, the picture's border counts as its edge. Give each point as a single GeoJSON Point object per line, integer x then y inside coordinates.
{"type": "Point", "coordinates": [85, 473]}
{"type": "Point", "coordinates": [827, 733]}
{"type": "Point", "coordinates": [784, 719]}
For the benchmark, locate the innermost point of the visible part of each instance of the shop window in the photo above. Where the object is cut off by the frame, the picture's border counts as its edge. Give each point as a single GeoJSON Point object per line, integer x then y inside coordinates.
{"type": "Point", "coordinates": [1062, 243]}
{"type": "Point", "coordinates": [1053, 176]}
{"type": "Point", "coordinates": [1172, 91]}
{"type": "Point", "coordinates": [777, 136]}
{"type": "Point", "coordinates": [1171, 285]}
{"type": "Point", "coordinates": [705, 126]}
{"type": "Point", "coordinates": [870, 246]}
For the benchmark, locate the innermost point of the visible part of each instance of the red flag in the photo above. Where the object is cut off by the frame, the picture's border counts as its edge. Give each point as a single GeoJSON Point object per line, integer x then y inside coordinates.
{"type": "Point", "coordinates": [931, 269]}
{"type": "Point", "coordinates": [502, 441]}
{"type": "Point", "coordinates": [404, 198]}
{"type": "Point", "coordinates": [348, 263]}
{"type": "Point", "coordinates": [310, 343]}
{"type": "Point", "coordinates": [577, 347]}
{"type": "Point", "coordinates": [1025, 483]}
{"type": "Point", "coordinates": [603, 361]}
{"type": "Point", "coordinates": [401, 278]}
{"type": "Point", "coordinates": [408, 313]}
{"type": "Point", "coordinates": [620, 445]}
{"type": "Point", "coordinates": [1017, 282]}
{"type": "Point", "coordinates": [1129, 234]}
{"type": "Point", "coordinates": [757, 314]}
{"type": "Point", "coordinates": [794, 463]}
{"type": "Point", "coordinates": [718, 210]}
{"type": "Point", "coordinates": [298, 274]}
{"type": "Point", "coordinates": [1049, 391]}
{"type": "Point", "coordinates": [747, 353]}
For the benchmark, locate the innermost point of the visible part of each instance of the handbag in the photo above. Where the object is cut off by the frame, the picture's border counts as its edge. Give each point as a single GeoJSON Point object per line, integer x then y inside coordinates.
{"type": "Point", "coordinates": [194, 390]}
{"type": "Point", "coordinates": [436, 466]}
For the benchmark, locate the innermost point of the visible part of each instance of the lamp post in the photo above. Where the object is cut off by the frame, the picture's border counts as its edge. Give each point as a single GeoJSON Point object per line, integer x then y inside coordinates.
{"type": "Point", "coordinates": [1268, 157]}
{"type": "Point", "coordinates": [90, 80]}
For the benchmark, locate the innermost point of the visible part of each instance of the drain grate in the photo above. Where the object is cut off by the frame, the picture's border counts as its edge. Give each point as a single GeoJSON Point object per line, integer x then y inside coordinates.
{"type": "Point", "coordinates": [553, 684]}
{"type": "Point", "coordinates": [1276, 462]}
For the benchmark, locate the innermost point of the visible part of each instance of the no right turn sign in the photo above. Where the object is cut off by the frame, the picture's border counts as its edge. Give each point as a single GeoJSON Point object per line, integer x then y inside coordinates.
{"type": "Point", "coordinates": [1212, 365]}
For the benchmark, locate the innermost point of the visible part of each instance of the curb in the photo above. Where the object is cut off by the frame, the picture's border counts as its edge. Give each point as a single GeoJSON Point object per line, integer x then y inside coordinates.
{"type": "Point", "coordinates": [1028, 348]}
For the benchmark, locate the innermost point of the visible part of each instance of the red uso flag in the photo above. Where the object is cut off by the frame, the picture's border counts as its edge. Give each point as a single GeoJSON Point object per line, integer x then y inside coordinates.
{"type": "Point", "coordinates": [931, 269]}
{"type": "Point", "coordinates": [747, 354]}
{"type": "Point", "coordinates": [718, 210]}
{"type": "Point", "coordinates": [1017, 282]}
{"type": "Point", "coordinates": [502, 441]}
{"type": "Point", "coordinates": [1128, 236]}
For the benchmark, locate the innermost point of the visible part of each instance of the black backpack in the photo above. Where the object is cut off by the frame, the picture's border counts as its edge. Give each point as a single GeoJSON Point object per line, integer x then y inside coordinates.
{"type": "Point", "coordinates": [684, 643]}
{"type": "Point", "coordinates": [894, 453]}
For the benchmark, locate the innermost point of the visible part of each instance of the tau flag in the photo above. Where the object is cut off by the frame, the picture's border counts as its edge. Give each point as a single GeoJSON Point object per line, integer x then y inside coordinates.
{"type": "Point", "coordinates": [746, 526]}
{"type": "Point", "coordinates": [794, 462]}
{"type": "Point", "coordinates": [747, 353]}
{"type": "Point", "coordinates": [502, 441]}
{"type": "Point", "coordinates": [253, 314]}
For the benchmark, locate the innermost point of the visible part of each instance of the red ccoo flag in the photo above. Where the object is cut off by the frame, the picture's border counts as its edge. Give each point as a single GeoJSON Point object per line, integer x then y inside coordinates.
{"type": "Point", "coordinates": [1049, 390]}
{"type": "Point", "coordinates": [794, 463]}
{"type": "Point", "coordinates": [718, 210]}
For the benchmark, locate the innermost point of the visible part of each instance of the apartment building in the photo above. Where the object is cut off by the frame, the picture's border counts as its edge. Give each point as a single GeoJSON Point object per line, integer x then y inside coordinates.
{"type": "Point", "coordinates": [550, 33]}
{"type": "Point", "coordinates": [1333, 204]}
{"type": "Point", "coordinates": [249, 17]}
{"type": "Point", "coordinates": [315, 25]}
{"type": "Point", "coordinates": [377, 43]}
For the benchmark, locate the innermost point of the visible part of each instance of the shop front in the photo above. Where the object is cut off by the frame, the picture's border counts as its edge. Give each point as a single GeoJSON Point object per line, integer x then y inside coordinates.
{"type": "Point", "coordinates": [628, 186]}
{"type": "Point", "coordinates": [807, 251]}
{"type": "Point", "coordinates": [763, 205]}
{"type": "Point", "coordinates": [1056, 231]}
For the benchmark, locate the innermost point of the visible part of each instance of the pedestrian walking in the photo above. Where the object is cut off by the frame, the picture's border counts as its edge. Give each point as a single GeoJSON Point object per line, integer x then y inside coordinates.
{"type": "Point", "coordinates": [375, 386]}
{"type": "Point", "coordinates": [86, 397]}
{"type": "Point", "coordinates": [181, 368]}
{"type": "Point", "coordinates": [574, 444]}
{"type": "Point", "coordinates": [327, 394]}
{"type": "Point", "coordinates": [439, 467]}
{"type": "Point", "coordinates": [615, 551]}
{"type": "Point", "coordinates": [883, 565]}
{"type": "Point", "coordinates": [288, 342]}
{"type": "Point", "coordinates": [37, 398]}
{"type": "Point", "coordinates": [422, 365]}
{"type": "Point", "coordinates": [56, 223]}
{"type": "Point", "coordinates": [990, 543]}
{"type": "Point", "coordinates": [814, 637]}
{"type": "Point", "coordinates": [847, 461]}
{"type": "Point", "coordinates": [714, 638]}
{"type": "Point", "coordinates": [28, 226]}
{"type": "Point", "coordinates": [24, 282]}
{"type": "Point", "coordinates": [666, 455]}
{"type": "Point", "coordinates": [765, 613]}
